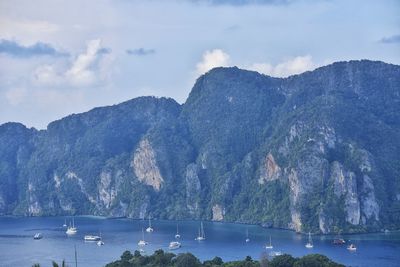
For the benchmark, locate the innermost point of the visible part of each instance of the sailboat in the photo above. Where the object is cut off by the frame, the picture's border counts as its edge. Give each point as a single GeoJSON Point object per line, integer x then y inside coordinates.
{"type": "Point", "coordinates": [177, 236]}
{"type": "Point", "coordinates": [142, 242]}
{"type": "Point", "coordinates": [100, 242]}
{"type": "Point", "coordinates": [352, 247]}
{"type": "Point", "coordinates": [149, 229]}
{"type": "Point", "coordinates": [269, 246]}
{"type": "Point", "coordinates": [38, 236]}
{"type": "Point", "coordinates": [174, 245]}
{"type": "Point", "coordinates": [71, 230]}
{"type": "Point", "coordinates": [65, 223]}
{"type": "Point", "coordinates": [309, 243]}
{"type": "Point", "coordinates": [247, 236]}
{"type": "Point", "coordinates": [201, 235]}
{"type": "Point", "coordinates": [92, 238]}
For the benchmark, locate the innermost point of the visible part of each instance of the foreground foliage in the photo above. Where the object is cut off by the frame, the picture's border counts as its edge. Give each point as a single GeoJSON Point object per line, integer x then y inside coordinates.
{"type": "Point", "coordinates": [166, 259]}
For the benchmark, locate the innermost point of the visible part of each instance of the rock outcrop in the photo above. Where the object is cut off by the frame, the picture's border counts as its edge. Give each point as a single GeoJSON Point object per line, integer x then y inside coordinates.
{"type": "Point", "coordinates": [145, 166]}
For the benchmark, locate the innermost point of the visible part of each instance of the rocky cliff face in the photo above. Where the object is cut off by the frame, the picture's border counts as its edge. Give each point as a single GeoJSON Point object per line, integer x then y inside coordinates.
{"type": "Point", "coordinates": [313, 152]}
{"type": "Point", "coordinates": [145, 166]}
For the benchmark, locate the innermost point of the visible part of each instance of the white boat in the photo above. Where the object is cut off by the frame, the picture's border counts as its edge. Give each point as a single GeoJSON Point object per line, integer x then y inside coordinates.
{"type": "Point", "coordinates": [38, 236]}
{"type": "Point", "coordinates": [275, 253]}
{"type": "Point", "coordinates": [100, 243]}
{"type": "Point", "coordinates": [269, 246]}
{"type": "Point", "coordinates": [92, 238]}
{"type": "Point", "coordinates": [65, 223]}
{"type": "Point", "coordinates": [201, 235]}
{"type": "Point", "coordinates": [174, 245]}
{"type": "Point", "coordinates": [352, 247]}
{"type": "Point", "coordinates": [142, 242]}
{"type": "Point", "coordinates": [71, 230]}
{"type": "Point", "coordinates": [177, 236]}
{"type": "Point", "coordinates": [247, 236]}
{"type": "Point", "coordinates": [149, 229]}
{"type": "Point", "coordinates": [309, 243]}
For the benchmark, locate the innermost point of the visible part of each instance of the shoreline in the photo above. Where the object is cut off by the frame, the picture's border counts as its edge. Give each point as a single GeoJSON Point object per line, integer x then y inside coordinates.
{"type": "Point", "coordinates": [195, 220]}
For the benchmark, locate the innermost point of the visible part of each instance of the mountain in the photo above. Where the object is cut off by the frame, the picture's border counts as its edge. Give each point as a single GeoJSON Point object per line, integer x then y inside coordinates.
{"type": "Point", "coordinates": [319, 151]}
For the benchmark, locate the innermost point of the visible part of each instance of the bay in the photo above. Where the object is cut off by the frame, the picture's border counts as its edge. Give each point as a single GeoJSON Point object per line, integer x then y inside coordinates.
{"type": "Point", "coordinates": [226, 240]}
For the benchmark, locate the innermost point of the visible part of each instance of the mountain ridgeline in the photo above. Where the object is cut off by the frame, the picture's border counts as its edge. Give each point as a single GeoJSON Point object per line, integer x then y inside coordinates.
{"type": "Point", "coordinates": [318, 152]}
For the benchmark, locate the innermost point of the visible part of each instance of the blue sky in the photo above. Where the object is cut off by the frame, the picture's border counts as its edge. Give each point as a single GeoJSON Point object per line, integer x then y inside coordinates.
{"type": "Point", "coordinates": [63, 57]}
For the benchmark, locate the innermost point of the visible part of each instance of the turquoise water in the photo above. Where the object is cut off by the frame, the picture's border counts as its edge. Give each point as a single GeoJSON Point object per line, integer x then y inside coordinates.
{"type": "Point", "coordinates": [227, 240]}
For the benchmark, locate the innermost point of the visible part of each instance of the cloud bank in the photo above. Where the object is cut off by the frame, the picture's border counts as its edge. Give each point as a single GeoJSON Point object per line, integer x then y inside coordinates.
{"type": "Point", "coordinates": [84, 70]}
{"type": "Point", "coordinates": [38, 49]}
{"type": "Point", "coordinates": [243, 2]}
{"type": "Point", "coordinates": [286, 68]}
{"type": "Point", "coordinates": [391, 39]}
{"type": "Point", "coordinates": [212, 59]}
{"type": "Point", "coordinates": [140, 51]}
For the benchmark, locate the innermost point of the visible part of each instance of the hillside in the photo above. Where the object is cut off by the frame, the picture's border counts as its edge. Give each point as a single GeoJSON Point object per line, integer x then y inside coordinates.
{"type": "Point", "coordinates": [319, 151]}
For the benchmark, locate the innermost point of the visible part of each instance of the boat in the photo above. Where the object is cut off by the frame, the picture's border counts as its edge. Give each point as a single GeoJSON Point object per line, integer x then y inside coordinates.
{"type": "Point", "coordinates": [177, 236]}
{"type": "Point", "coordinates": [201, 235]}
{"type": "Point", "coordinates": [142, 242]}
{"type": "Point", "coordinates": [275, 253]}
{"type": "Point", "coordinates": [174, 245]}
{"type": "Point", "coordinates": [71, 230]}
{"type": "Point", "coordinates": [309, 243]}
{"type": "Point", "coordinates": [269, 246]}
{"type": "Point", "coordinates": [352, 247]}
{"type": "Point", "coordinates": [65, 223]}
{"type": "Point", "coordinates": [100, 242]}
{"type": "Point", "coordinates": [38, 236]}
{"type": "Point", "coordinates": [92, 238]}
{"type": "Point", "coordinates": [339, 241]}
{"type": "Point", "coordinates": [149, 229]}
{"type": "Point", "coordinates": [247, 236]}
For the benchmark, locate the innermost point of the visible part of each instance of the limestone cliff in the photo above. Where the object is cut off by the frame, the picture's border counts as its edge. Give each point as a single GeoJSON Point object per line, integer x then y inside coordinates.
{"type": "Point", "coordinates": [313, 152]}
{"type": "Point", "coordinates": [145, 166]}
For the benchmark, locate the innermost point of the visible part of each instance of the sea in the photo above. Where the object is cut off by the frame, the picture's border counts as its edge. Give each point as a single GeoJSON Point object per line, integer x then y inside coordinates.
{"type": "Point", "coordinates": [226, 240]}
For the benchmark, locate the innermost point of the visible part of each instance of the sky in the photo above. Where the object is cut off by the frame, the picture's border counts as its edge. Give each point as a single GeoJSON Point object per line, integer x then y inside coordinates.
{"type": "Point", "coordinates": [63, 57]}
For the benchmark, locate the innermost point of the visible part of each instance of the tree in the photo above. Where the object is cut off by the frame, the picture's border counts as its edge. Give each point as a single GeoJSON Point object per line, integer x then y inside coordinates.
{"type": "Point", "coordinates": [187, 260]}
{"type": "Point", "coordinates": [63, 264]}
{"type": "Point", "coordinates": [126, 256]}
{"type": "Point", "coordinates": [316, 260]}
{"type": "Point", "coordinates": [264, 262]}
{"type": "Point", "coordinates": [285, 260]}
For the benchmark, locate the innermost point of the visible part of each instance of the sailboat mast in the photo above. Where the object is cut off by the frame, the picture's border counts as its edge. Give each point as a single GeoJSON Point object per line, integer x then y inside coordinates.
{"type": "Point", "coordinates": [76, 257]}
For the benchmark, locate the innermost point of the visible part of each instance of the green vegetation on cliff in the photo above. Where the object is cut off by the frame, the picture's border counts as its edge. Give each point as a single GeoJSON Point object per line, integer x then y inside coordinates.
{"type": "Point", "coordinates": [314, 152]}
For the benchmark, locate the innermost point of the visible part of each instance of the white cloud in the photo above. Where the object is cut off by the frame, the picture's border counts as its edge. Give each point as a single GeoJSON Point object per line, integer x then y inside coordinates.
{"type": "Point", "coordinates": [80, 72]}
{"type": "Point", "coordinates": [47, 75]}
{"type": "Point", "coordinates": [10, 26]}
{"type": "Point", "coordinates": [88, 68]}
{"type": "Point", "coordinates": [16, 96]}
{"type": "Point", "coordinates": [211, 59]}
{"type": "Point", "coordinates": [290, 67]}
